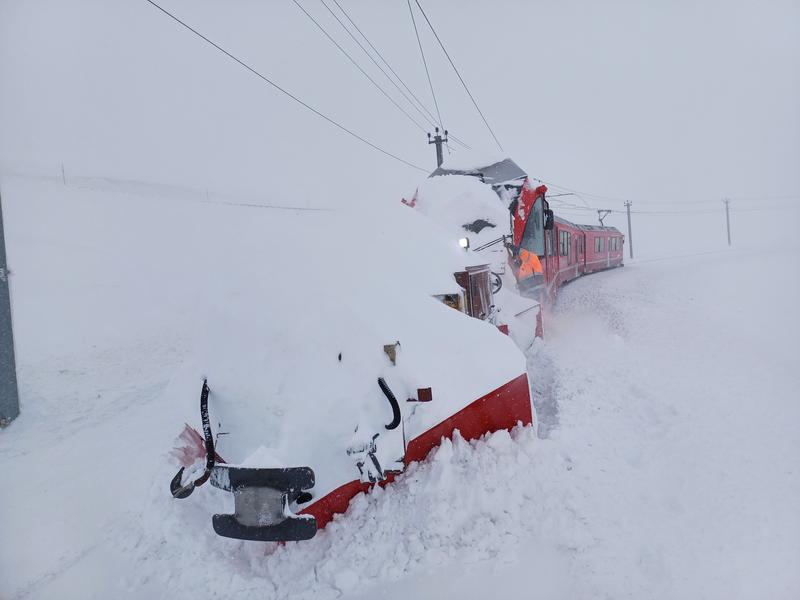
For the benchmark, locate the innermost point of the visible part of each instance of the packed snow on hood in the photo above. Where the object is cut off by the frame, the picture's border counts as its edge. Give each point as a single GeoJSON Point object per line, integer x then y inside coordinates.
{"type": "Point", "coordinates": [669, 470]}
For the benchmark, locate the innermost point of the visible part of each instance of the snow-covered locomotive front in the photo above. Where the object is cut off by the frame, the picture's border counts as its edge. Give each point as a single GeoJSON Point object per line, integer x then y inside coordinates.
{"type": "Point", "coordinates": [333, 373]}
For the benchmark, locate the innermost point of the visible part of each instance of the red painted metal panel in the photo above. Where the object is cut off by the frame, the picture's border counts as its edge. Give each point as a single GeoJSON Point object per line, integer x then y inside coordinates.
{"type": "Point", "coordinates": [524, 205]}
{"type": "Point", "coordinates": [501, 409]}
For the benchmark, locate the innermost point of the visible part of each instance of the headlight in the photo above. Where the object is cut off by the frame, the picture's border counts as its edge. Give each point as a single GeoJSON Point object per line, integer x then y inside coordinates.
{"type": "Point", "coordinates": [464, 243]}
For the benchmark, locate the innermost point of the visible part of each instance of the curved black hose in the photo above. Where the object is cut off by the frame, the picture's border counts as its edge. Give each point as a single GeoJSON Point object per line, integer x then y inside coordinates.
{"type": "Point", "coordinates": [497, 282]}
{"type": "Point", "coordinates": [393, 401]}
{"type": "Point", "coordinates": [183, 491]}
{"type": "Point", "coordinates": [206, 430]}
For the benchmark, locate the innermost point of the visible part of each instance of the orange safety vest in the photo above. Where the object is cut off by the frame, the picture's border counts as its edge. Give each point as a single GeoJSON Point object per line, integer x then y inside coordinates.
{"type": "Point", "coordinates": [530, 264]}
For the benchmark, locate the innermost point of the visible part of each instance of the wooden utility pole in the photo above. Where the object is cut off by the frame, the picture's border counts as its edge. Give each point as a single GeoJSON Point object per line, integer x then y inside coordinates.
{"type": "Point", "coordinates": [630, 235]}
{"type": "Point", "coordinates": [727, 203]}
{"type": "Point", "coordinates": [9, 394]}
{"type": "Point", "coordinates": [438, 140]}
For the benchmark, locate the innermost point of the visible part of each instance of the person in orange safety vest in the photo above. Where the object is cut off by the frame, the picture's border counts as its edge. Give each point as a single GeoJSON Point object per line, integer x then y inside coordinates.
{"type": "Point", "coordinates": [529, 264]}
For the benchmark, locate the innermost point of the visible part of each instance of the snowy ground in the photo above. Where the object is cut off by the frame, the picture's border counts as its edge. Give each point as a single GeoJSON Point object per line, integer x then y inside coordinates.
{"type": "Point", "coordinates": [668, 466]}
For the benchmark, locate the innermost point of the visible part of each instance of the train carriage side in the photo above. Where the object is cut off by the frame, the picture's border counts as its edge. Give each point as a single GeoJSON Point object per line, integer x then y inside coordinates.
{"type": "Point", "coordinates": [603, 246]}
{"type": "Point", "coordinates": [567, 252]}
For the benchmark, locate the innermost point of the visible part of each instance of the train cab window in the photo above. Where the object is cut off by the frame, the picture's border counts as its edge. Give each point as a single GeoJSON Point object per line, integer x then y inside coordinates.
{"type": "Point", "coordinates": [533, 234]}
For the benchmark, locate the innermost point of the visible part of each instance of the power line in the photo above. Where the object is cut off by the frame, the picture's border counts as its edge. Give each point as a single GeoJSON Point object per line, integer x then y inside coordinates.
{"type": "Point", "coordinates": [375, 62]}
{"type": "Point", "coordinates": [461, 79]}
{"type": "Point", "coordinates": [286, 92]}
{"type": "Point", "coordinates": [583, 195]}
{"type": "Point", "coordinates": [371, 45]}
{"type": "Point", "coordinates": [574, 207]}
{"type": "Point", "coordinates": [431, 118]}
{"type": "Point", "coordinates": [416, 103]}
{"type": "Point", "coordinates": [356, 65]}
{"type": "Point", "coordinates": [425, 63]}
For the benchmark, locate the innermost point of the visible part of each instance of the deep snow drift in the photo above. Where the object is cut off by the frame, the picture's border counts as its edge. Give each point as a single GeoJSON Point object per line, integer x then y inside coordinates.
{"type": "Point", "coordinates": [669, 469]}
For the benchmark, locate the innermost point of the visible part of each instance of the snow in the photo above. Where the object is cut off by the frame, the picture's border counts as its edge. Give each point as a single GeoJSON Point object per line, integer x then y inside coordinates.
{"type": "Point", "coordinates": [276, 297]}
{"type": "Point", "coordinates": [666, 393]}
{"type": "Point", "coordinates": [467, 160]}
{"type": "Point", "coordinates": [453, 201]}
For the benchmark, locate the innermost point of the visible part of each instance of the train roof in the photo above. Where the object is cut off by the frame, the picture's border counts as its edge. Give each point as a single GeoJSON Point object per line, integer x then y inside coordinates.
{"type": "Point", "coordinates": [588, 227]}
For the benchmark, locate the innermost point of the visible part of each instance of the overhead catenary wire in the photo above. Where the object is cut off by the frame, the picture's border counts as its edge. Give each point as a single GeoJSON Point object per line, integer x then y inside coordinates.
{"type": "Point", "coordinates": [460, 78]}
{"type": "Point", "coordinates": [383, 59]}
{"type": "Point", "coordinates": [583, 195]}
{"type": "Point", "coordinates": [582, 209]}
{"type": "Point", "coordinates": [358, 66]}
{"type": "Point", "coordinates": [425, 64]}
{"type": "Point", "coordinates": [285, 91]}
{"type": "Point", "coordinates": [428, 117]}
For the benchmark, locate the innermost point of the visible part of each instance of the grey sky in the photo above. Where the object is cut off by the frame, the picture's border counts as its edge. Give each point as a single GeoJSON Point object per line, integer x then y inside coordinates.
{"type": "Point", "coordinates": [653, 101]}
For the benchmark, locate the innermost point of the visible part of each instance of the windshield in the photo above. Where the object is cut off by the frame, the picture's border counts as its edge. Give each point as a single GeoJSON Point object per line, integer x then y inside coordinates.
{"type": "Point", "coordinates": [533, 236]}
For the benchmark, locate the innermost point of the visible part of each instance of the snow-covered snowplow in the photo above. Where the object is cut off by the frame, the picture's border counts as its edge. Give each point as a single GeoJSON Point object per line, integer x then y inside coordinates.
{"type": "Point", "coordinates": [490, 203]}
{"type": "Point", "coordinates": [311, 397]}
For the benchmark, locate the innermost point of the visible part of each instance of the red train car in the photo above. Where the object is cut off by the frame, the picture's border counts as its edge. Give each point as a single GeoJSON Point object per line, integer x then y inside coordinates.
{"type": "Point", "coordinates": [603, 247]}
{"type": "Point", "coordinates": [545, 251]}
{"type": "Point", "coordinates": [572, 250]}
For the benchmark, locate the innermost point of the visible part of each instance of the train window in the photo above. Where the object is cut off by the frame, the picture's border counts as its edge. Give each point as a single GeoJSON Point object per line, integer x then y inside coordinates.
{"type": "Point", "coordinates": [533, 234]}
{"type": "Point", "coordinates": [563, 243]}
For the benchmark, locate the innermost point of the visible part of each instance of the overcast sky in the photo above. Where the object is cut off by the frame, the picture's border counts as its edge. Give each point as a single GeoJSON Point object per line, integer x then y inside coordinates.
{"type": "Point", "coordinates": [658, 102]}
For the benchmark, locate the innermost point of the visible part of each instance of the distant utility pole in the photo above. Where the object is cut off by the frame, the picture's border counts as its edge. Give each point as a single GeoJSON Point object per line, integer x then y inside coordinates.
{"type": "Point", "coordinates": [728, 218]}
{"type": "Point", "coordinates": [438, 140]}
{"type": "Point", "coordinates": [9, 395]}
{"type": "Point", "coordinates": [630, 235]}
{"type": "Point", "coordinates": [63, 175]}
{"type": "Point", "coordinates": [602, 214]}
